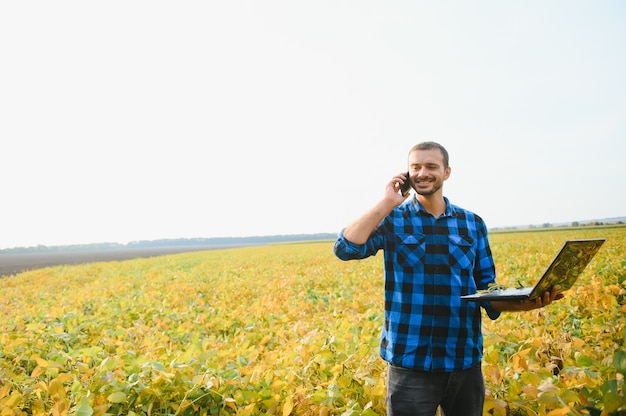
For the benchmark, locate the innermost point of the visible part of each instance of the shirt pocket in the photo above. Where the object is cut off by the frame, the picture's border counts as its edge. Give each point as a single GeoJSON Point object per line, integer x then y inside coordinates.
{"type": "Point", "coordinates": [410, 249]}
{"type": "Point", "coordinates": [462, 251]}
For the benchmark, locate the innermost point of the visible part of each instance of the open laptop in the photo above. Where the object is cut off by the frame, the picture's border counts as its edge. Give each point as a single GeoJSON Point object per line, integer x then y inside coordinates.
{"type": "Point", "coordinates": [561, 273]}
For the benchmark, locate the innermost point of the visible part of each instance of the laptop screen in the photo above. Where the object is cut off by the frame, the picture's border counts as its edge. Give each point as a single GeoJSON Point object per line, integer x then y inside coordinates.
{"type": "Point", "coordinates": [567, 265]}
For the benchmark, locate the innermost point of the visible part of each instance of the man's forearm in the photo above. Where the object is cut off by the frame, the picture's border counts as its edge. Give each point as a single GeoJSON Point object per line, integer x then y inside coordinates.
{"type": "Point", "coordinates": [510, 306]}
{"type": "Point", "coordinates": [527, 305]}
{"type": "Point", "coordinates": [359, 231]}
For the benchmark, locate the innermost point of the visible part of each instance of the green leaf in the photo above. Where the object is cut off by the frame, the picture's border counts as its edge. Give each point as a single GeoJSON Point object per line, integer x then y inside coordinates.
{"type": "Point", "coordinates": [612, 401]}
{"type": "Point", "coordinates": [584, 361]}
{"type": "Point", "coordinates": [528, 377]}
{"type": "Point", "coordinates": [83, 408]}
{"type": "Point", "coordinates": [568, 396]}
{"type": "Point", "coordinates": [619, 361]}
{"type": "Point", "coordinates": [117, 397]}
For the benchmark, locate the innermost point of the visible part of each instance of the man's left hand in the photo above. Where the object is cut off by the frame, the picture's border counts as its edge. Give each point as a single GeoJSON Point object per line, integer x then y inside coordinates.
{"type": "Point", "coordinates": [544, 300]}
{"type": "Point", "coordinates": [527, 305]}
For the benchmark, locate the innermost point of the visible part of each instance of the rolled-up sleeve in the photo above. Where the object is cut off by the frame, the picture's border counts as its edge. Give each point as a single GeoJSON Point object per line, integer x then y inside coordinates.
{"type": "Point", "coordinates": [491, 312]}
{"type": "Point", "coordinates": [485, 272]}
{"type": "Point", "coordinates": [347, 250]}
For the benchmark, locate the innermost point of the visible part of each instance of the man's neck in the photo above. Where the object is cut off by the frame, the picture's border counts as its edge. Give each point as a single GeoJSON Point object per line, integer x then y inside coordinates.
{"type": "Point", "coordinates": [435, 205]}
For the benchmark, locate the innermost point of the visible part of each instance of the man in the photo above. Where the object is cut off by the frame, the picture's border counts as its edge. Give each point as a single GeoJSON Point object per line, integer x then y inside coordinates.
{"type": "Point", "coordinates": [434, 252]}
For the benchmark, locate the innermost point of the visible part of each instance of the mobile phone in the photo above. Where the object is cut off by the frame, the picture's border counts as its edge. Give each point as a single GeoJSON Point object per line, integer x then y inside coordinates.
{"type": "Point", "coordinates": [405, 188]}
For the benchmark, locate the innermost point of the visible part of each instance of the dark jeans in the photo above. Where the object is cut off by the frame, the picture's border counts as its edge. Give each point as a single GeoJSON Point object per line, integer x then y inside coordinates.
{"type": "Point", "coordinates": [419, 393]}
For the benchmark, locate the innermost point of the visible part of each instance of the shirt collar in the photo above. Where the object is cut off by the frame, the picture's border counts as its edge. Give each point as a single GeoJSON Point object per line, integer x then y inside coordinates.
{"type": "Point", "coordinates": [449, 212]}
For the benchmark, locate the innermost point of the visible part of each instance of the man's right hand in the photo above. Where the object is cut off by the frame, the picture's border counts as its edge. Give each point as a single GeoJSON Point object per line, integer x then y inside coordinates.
{"type": "Point", "coordinates": [359, 231]}
{"type": "Point", "coordinates": [393, 191]}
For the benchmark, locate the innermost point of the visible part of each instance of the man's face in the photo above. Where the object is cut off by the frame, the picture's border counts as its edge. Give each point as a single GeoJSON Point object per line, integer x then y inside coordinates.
{"type": "Point", "coordinates": [427, 171]}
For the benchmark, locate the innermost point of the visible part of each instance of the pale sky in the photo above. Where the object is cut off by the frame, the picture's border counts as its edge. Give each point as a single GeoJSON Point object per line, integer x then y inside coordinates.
{"type": "Point", "coordinates": [140, 120]}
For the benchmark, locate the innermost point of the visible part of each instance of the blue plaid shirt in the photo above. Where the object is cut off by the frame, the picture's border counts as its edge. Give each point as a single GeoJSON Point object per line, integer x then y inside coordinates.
{"type": "Point", "coordinates": [429, 264]}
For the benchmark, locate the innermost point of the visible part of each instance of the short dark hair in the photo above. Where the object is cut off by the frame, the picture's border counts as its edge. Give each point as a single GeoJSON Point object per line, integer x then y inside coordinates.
{"type": "Point", "coordinates": [430, 146]}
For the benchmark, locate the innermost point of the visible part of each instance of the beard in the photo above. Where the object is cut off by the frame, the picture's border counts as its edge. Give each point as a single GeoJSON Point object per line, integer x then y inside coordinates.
{"type": "Point", "coordinates": [436, 186]}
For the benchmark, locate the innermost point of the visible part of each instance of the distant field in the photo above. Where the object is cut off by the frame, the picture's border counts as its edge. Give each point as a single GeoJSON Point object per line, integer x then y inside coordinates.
{"type": "Point", "coordinates": [288, 329]}
{"type": "Point", "coordinates": [12, 263]}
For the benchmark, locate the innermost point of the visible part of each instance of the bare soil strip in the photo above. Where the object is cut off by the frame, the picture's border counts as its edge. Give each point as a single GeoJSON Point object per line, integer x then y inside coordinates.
{"type": "Point", "coordinates": [11, 264]}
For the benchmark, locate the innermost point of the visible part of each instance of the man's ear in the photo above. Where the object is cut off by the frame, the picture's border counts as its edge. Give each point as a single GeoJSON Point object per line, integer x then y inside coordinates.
{"type": "Point", "coordinates": [446, 173]}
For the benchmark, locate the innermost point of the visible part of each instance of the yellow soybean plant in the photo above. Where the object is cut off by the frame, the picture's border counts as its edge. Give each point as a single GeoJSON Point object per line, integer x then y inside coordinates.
{"type": "Point", "coordinates": [289, 330]}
